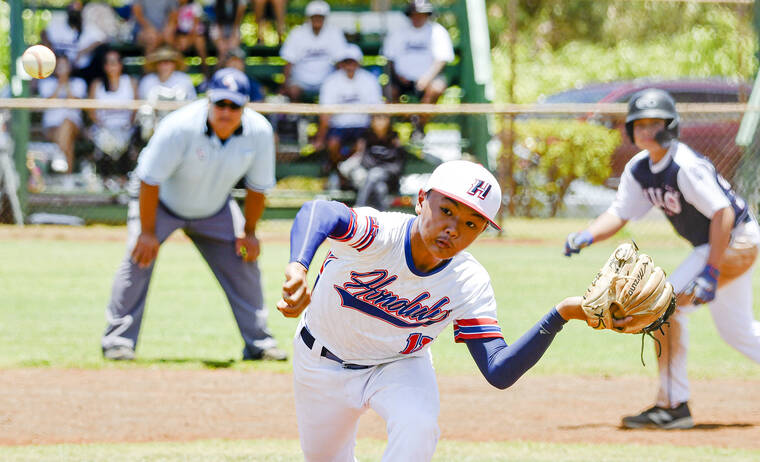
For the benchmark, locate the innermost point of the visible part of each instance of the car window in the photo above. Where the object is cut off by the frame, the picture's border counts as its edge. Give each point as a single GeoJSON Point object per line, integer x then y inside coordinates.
{"type": "Point", "coordinates": [704, 97]}
{"type": "Point", "coordinates": [692, 96]}
{"type": "Point", "coordinates": [578, 96]}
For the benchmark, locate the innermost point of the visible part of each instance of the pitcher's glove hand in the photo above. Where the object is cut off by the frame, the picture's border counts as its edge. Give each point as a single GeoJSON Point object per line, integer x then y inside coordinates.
{"type": "Point", "coordinates": [629, 285]}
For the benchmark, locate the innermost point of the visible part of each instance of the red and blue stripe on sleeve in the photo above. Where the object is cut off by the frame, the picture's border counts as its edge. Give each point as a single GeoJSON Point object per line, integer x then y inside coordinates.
{"type": "Point", "coordinates": [469, 329]}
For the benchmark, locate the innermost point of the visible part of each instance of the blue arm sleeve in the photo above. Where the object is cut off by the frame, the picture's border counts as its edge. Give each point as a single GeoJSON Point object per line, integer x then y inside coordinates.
{"type": "Point", "coordinates": [316, 221]}
{"type": "Point", "coordinates": [503, 364]}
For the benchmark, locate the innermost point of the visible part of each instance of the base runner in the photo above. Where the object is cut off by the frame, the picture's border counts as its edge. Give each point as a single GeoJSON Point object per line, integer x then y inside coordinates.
{"type": "Point", "coordinates": [704, 210]}
{"type": "Point", "coordinates": [390, 284]}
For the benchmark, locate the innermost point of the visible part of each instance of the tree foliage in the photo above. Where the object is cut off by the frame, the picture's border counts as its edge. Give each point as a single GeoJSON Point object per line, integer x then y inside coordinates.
{"type": "Point", "coordinates": [553, 154]}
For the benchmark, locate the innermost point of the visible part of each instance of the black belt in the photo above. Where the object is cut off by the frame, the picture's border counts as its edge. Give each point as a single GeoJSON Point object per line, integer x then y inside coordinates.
{"type": "Point", "coordinates": [308, 339]}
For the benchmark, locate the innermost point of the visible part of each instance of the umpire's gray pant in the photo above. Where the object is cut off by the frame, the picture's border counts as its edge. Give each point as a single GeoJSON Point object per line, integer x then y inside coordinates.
{"type": "Point", "coordinates": [214, 237]}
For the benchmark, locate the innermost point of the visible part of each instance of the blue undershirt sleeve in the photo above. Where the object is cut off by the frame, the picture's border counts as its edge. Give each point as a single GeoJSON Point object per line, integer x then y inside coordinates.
{"type": "Point", "coordinates": [503, 364]}
{"type": "Point", "coordinates": [315, 222]}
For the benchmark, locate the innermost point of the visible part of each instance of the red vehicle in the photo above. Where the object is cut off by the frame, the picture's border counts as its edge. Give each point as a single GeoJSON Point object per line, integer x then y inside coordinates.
{"type": "Point", "coordinates": [712, 135]}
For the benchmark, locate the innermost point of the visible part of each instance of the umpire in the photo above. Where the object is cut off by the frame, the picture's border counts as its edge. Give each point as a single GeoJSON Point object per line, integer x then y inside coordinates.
{"type": "Point", "coordinates": [186, 173]}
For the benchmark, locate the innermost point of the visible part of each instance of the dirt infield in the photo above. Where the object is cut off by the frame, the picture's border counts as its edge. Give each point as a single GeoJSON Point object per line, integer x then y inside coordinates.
{"type": "Point", "coordinates": [45, 406]}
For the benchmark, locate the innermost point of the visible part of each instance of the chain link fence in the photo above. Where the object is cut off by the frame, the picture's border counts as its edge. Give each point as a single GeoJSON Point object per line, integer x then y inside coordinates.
{"type": "Point", "coordinates": [553, 160]}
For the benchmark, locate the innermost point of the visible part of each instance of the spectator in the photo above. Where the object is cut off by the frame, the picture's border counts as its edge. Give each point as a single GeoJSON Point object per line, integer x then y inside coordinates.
{"type": "Point", "coordinates": [310, 52]}
{"type": "Point", "coordinates": [111, 129]}
{"type": "Point", "coordinates": [416, 56]}
{"type": "Point", "coordinates": [186, 174]}
{"type": "Point", "coordinates": [62, 34]}
{"type": "Point", "coordinates": [380, 158]}
{"type": "Point", "coordinates": [165, 77]}
{"type": "Point", "coordinates": [83, 37]}
{"type": "Point", "coordinates": [191, 31]}
{"type": "Point", "coordinates": [62, 125]}
{"type": "Point", "coordinates": [225, 30]}
{"type": "Point", "coordinates": [156, 22]}
{"type": "Point", "coordinates": [350, 84]}
{"type": "Point", "coordinates": [165, 82]}
{"type": "Point", "coordinates": [236, 59]}
{"type": "Point", "coordinates": [259, 9]}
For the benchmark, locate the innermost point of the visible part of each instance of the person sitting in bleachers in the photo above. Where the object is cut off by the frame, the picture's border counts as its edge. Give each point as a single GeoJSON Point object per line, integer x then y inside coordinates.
{"type": "Point", "coordinates": [225, 29]}
{"type": "Point", "coordinates": [112, 129]}
{"type": "Point", "coordinates": [156, 22]}
{"type": "Point", "coordinates": [310, 53]}
{"type": "Point", "coordinates": [278, 7]}
{"type": "Point", "coordinates": [236, 59]}
{"type": "Point", "coordinates": [83, 36]}
{"type": "Point", "coordinates": [417, 54]}
{"type": "Point", "coordinates": [376, 167]}
{"type": "Point", "coordinates": [164, 78]}
{"type": "Point", "coordinates": [165, 81]}
{"type": "Point", "coordinates": [191, 31]}
{"type": "Point", "coordinates": [62, 125]}
{"type": "Point", "coordinates": [339, 133]}
{"type": "Point", "coordinates": [62, 32]}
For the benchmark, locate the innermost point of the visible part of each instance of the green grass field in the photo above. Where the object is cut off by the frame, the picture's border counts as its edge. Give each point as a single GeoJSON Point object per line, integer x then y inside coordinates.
{"type": "Point", "coordinates": [53, 294]}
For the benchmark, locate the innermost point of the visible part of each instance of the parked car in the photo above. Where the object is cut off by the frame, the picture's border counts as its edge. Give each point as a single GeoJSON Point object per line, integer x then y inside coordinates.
{"type": "Point", "coordinates": [712, 135]}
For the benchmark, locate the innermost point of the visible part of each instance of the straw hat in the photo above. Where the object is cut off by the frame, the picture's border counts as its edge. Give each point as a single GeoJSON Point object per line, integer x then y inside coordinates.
{"type": "Point", "coordinates": [164, 53]}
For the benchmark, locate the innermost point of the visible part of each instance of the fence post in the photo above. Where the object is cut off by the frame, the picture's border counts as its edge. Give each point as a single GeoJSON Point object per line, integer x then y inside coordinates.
{"type": "Point", "coordinates": [19, 89]}
{"type": "Point", "coordinates": [476, 77]}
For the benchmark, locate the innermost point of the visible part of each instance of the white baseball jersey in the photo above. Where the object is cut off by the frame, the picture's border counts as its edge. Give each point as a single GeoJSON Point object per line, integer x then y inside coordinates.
{"type": "Point", "coordinates": [339, 89]}
{"type": "Point", "coordinates": [683, 184]}
{"type": "Point", "coordinates": [312, 55]}
{"type": "Point", "coordinates": [413, 50]}
{"type": "Point", "coordinates": [371, 305]}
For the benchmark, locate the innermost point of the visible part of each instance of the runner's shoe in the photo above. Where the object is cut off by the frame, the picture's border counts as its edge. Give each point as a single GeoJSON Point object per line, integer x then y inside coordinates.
{"type": "Point", "coordinates": [661, 418]}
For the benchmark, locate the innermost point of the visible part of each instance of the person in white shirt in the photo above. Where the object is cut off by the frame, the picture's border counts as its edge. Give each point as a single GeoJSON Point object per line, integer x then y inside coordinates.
{"type": "Point", "coordinates": [416, 56]}
{"type": "Point", "coordinates": [62, 125]}
{"type": "Point", "coordinates": [349, 84]}
{"type": "Point", "coordinates": [310, 52]}
{"type": "Point", "coordinates": [418, 53]}
{"type": "Point", "coordinates": [164, 74]}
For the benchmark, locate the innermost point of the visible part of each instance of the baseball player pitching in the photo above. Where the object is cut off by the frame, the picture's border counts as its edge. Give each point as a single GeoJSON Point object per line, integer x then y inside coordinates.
{"type": "Point", "coordinates": [186, 174]}
{"type": "Point", "coordinates": [389, 285]}
{"type": "Point", "coordinates": [703, 209]}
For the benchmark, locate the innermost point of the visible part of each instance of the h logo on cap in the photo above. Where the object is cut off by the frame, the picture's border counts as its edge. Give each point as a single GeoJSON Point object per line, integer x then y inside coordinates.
{"type": "Point", "coordinates": [480, 189]}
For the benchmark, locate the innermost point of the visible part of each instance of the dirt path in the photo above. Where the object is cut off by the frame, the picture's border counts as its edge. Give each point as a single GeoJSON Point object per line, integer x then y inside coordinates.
{"type": "Point", "coordinates": [44, 406]}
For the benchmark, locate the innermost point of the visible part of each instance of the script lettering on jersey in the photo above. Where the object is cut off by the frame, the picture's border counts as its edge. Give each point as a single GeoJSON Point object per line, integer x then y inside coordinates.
{"type": "Point", "coordinates": [669, 200]}
{"type": "Point", "coordinates": [366, 292]}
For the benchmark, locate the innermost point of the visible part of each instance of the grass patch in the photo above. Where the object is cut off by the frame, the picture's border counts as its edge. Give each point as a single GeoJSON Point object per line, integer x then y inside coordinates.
{"type": "Point", "coordinates": [53, 295]}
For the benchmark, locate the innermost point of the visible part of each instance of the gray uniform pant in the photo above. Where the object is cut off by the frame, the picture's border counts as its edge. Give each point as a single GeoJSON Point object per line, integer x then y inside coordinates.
{"type": "Point", "coordinates": [214, 237]}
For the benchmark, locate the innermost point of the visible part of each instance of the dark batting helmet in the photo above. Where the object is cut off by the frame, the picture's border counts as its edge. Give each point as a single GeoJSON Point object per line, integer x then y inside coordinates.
{"type": "Point", "coordinates": [653, 103]}
{"type": "Point", "coordinates": [419, 6]}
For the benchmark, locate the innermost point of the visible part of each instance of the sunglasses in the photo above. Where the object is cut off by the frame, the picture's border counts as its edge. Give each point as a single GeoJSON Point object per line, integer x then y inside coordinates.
{"type": "Point", "coordinates": [227, 104]}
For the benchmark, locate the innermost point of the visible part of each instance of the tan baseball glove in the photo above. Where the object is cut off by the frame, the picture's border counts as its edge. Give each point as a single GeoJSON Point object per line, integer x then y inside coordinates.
{"type": "Point", "coordinates": [629, 285]}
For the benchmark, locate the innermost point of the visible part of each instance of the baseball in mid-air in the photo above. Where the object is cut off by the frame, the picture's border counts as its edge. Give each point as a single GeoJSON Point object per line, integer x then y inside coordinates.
{"type": "Point", "coordinates": [38, 61]}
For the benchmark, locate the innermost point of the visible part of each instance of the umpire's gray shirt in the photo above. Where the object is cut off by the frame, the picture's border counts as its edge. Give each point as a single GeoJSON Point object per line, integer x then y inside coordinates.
{"type": "Point", "coordinates": [195, 171]}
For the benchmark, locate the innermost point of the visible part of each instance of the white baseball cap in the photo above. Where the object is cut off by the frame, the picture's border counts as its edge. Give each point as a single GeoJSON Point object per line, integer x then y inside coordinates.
{"type": "Point", "coordinates": [469, 183]}
{"type": "Point", "coordinates": [317, 8]}
{"type": "Point", "coordinates": [350, 51]}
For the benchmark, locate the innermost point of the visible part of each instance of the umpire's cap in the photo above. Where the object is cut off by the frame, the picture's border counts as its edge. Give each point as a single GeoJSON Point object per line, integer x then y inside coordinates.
{"type": "Point", "coordinates": [419, 6]}
{"type": "Point", "coordinates": [469, 183]}
{"type": "Point", "coordinates": [229, 83]}
{"type": "Point", "coordinates": [653, 103]}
